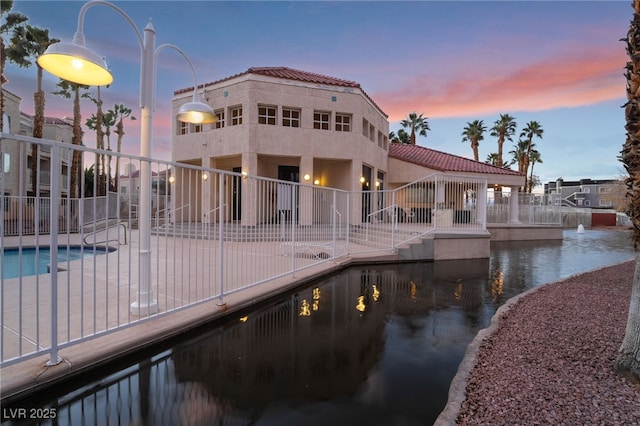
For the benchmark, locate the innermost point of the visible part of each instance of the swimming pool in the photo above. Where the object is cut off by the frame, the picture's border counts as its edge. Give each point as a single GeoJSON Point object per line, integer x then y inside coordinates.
{"type": "Point", "coordinates": [36, 260]}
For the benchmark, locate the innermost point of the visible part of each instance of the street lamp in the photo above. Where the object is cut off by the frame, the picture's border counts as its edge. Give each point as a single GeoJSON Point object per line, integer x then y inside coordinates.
{"type": "Point", "coordinates": [75, 63]}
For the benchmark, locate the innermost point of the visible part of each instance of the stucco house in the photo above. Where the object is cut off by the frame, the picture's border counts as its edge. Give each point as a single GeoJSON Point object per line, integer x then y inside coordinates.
{"type": "Point", "coordinates": [292, 125]}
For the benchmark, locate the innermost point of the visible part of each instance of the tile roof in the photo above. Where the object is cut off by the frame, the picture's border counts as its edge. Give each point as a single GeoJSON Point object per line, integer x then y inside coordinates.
{"type": "Point", "coordinates": [441, 161]}
{"type": "Point", "coordinates": [291, 74]}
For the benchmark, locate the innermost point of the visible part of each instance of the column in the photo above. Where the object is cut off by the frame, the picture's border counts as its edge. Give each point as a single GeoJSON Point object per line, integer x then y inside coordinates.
{"type": "Point", "coordinates": [249, 206]}
{"type": "Point", "coordinates": [306, 192]}
{"type": "Point", "coordinates": [514, 208]}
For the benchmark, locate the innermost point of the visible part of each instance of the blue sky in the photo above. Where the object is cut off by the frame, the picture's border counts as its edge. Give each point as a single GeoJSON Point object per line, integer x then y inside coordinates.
{"type": "Point", "coordinates": [560, 63]}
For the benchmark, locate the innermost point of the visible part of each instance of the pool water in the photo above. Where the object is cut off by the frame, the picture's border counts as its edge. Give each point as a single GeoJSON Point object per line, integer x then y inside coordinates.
{"type": "Point", "coordinates": [37, 260]}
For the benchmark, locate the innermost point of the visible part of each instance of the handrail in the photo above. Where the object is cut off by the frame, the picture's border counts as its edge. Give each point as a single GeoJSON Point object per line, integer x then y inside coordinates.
{"type": "Point", "coordinates": [94, 233]}
{"type": "Point", "coordinates": [171, 211]}
{"type": "Point", "coordinates": [206, 215]}
{"type": "Point", "coordinates": [393, 216]}
{"type": "Point", "coordinates": [333, 207]}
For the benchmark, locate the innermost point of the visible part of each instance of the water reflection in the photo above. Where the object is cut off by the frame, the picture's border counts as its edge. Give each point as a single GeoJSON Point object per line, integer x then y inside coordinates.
{"type": "Point", "coordinates": [375, 345]}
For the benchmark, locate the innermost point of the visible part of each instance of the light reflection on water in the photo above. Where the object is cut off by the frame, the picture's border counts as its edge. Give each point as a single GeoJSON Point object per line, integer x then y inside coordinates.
{"type": "Point", "coordinates": [376, 345]}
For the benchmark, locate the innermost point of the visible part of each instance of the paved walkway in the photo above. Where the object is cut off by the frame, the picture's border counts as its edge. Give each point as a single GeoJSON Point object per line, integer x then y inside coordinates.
{"type": "Point", "coordinates": [17, 379]}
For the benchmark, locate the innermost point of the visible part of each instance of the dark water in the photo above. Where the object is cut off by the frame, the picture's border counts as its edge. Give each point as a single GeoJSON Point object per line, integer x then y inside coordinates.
{"type": "Point", "coordinates": [374, 345]}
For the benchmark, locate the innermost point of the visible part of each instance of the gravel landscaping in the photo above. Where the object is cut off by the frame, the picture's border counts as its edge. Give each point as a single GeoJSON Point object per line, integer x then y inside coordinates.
{"type": "Point", "coordinates": [550, 359]}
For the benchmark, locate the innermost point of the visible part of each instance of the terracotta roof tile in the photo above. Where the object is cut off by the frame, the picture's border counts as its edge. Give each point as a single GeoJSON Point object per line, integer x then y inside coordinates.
{"type": "Point", "coordinates": [291, 74]}
{"type": "Point", "coordinates": [441, 161]}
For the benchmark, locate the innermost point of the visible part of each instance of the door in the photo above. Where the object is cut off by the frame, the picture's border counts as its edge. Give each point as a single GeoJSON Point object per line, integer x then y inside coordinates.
{"type": "Point", "coordinates": [287, 195]}
{"type": "Point", "coordinates": [236, 195]}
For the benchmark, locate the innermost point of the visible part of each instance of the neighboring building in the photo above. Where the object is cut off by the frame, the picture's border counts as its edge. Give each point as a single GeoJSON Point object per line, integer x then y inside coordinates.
{"type": "Point", "coordinates": [15, 153]}
{"type": "Point", "coordinates": [588, 193]}
{"type": "Point", "coordinates": [282, 123]}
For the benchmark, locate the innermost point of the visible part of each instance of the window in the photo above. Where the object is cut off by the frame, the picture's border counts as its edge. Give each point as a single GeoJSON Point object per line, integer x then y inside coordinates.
{"type": "Point", "coordinates": [184, 128]}
{"type": "Point", "coordinates": [197, 128]}
{"type": "Point", "coordinates": [604, 189]}
{"type": "Point", "coordinates": [290, 117]}
{"type": "Point", "coordinates": [236, 116]}
{"type": "Point", "coordinates": [6, 123]}
{"type": "Point", "coordinates": [586, 190]}
{"type": "Point", "coordinates": [6, 162]}
{"type": "Point", "coordinates": [365, 128]}
{"type": "Point", "coordinates": [372, 133]}
{"type": "Point", "coordinates": [220, 123]}
{"type": "Point", "coordinates": [267, 114]}
{"type": "Point", "coordinates": [343, 122]}
{"type": "Point", "coordinates": [321, 120]}
{"type": "Point", "coordinates": [6, 201]}
{"type": "Point", "coordinates": [385, 142]}
{"type": "Point", "coordinates": [380, 139]}
{"type": "Point", "coordinates": [605, 203]}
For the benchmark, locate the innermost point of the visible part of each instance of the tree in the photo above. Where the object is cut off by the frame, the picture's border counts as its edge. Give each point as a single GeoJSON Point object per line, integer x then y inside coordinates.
{"type": "Point", "coordinates": [504, 128]}
{"type": "Point", "coordinates": [519, 154]}
{"type": "Point", "coordinates": [121, 113]}
{"type": "Point", "coordinates": [27, 43]}
{"type": "Point", "coordinates": [402, 137]}
{"type": "Point", "coordinates": [534, 157]}
{"type": "Point", "coordinates": [492, 159]}
{"type": "Point", "coordinates": [8, 22]}
{"type": "Point", "coordinates": [102, 127]}
{"type": "Point", "coordinates": [417, 124]}
{"type": "Point", "coordinates": [67, 90]}
{"type": "Point", "coordinates": [533, 129]}
{"type": "Point", "coordinates": [628, 360]}
{"type": "Point", "coordinates": [474, 133]}
{"type": "Point", "coordinates": [89, 178]}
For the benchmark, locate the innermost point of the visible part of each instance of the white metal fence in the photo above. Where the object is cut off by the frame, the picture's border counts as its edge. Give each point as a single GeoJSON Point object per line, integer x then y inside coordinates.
{"type": "Point", "coordinates": [213, 233]}
{"type": "Point", "coordinates": [533, 209]}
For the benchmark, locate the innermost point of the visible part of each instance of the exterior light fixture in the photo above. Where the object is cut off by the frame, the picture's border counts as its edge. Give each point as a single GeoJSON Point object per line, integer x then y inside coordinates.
{"type": "Point", "coordinates": [362, 179]}
{"type": "Point", "coordinates": [377, 184]}
{"type": "Point", "coordinates": [205, 177]}
{"type": "Point", "coordinates": [316, 182]}
{"type": "Point", "coordinates": [75, 63]}
{"type": "Point", "coordinates": [172, 179]}
{"type": "Point", "coordinates": [306, 176]}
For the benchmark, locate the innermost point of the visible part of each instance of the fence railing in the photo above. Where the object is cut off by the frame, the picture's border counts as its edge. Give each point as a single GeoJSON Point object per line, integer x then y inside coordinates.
{"type": "Point", "coordinates": [213, 233]}
{"type": "Point", "coordinates": [533, 209]}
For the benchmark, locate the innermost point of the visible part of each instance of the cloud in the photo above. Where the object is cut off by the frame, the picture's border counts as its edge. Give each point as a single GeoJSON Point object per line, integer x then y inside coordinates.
{"type": "Point", "coordinates": [563, 80]}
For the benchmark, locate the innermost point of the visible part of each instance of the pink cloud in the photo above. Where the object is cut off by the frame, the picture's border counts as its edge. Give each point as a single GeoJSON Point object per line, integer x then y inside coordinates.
{"type": "Point", "coordinates": [568, 80]}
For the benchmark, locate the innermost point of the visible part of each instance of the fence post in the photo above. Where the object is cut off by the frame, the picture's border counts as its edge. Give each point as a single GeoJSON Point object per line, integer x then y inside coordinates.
{"type": "Point", "coordinates": [221, 234]}
{"type": "Point", "coordinates": [53, 247]}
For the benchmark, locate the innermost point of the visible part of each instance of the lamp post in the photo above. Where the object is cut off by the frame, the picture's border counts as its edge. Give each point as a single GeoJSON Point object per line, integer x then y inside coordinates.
{"type": "Point", "coordinates": [75, 63]}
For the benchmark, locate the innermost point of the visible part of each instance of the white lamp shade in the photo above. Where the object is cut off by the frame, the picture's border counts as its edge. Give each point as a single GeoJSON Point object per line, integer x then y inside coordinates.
{"type": "Point", "coordinates": [76, 64]}
{"type": "Point", "coordinates": [196, 113]}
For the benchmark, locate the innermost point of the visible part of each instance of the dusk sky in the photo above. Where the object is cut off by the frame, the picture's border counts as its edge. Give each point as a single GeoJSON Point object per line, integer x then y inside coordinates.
{"type": "Point", "coordinates": [557, 62]}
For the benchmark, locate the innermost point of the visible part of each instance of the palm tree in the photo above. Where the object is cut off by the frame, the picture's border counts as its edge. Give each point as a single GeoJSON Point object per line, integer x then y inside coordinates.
{"type": "Point", "coordinates": [96, 122]}
{"type": "Point", "coordinates": [492, 159]}
{"type": "Point", "coordinates": [504, 128]}
{"type": "Point", "coordinates": [121, 113]}
{"type": "Point", "coordinates": [519, 157]}
{"type": "Point", "coordinates": [474, 133]}
{"type": "Point", "coordinates": [417, 124]}
{"type": "Point", "coordinates": [533, 129]}
{"type": "Point", "coordinates": [68, 90]}
{"type": "Point", "coordinates": [27, 43]}
{"type": "Point", "coordinates": [89, 177]}
{"type": "Point", "coordinates": [534, 158]}
{"type": "Point", "coordinates": [402, 137]}
{"type": "Point", "coordinates": [628, 361]}
{"type": "Point", "coordinates": [8, 22]}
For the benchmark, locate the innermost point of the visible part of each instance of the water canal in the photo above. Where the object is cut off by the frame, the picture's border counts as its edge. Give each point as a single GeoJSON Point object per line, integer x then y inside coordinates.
{"type": "Point", "coordinates": [375, 345]}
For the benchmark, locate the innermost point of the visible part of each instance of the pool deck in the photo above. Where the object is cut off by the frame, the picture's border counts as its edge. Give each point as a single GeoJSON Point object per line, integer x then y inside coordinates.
{"type": "Point", "coordinates": [17, 380]}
